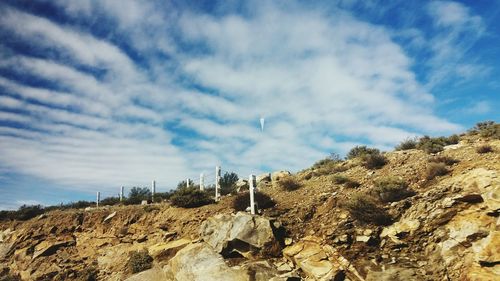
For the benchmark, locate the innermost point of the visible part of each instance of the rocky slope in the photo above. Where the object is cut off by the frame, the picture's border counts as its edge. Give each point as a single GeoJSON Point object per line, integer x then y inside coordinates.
{"type": "Point", "coordinates": [448, 230]}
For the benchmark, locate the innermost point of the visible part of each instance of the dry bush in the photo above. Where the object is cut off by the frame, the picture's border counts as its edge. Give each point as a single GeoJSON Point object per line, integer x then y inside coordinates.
{"type": "Point", "coordinates": [365, 209]}
{"type": "Point", "coordinates": [140, 261]}
{"type": "Point", "coordinates": [392, 189]}
{"type": "Point", "coordinates": [190, 198]}
{"type": "Point", "coordinates": [485, 148]}
{"type": "Point", "coordinates": [242, 201]}
{"type": "Point", "coordinates": [374, 161]}
{"type": "Point", "coordinates": [444, 159]}
{"type": "Point", "coordinates": [435, 170]}
{"type": "Point", "coordinates": [407, 144]}
{"type": "Point", "coordinates": [347, 182]}
{"type": "Point", "coordinates": [361, 150]}
{"type": "Point", "coordinates": [289, 183]}
{"type": "Point", "coordinates": [487, 129]}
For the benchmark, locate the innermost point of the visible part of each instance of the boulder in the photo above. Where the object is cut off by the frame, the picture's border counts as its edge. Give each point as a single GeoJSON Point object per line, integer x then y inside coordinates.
{"type": "Point", "coordinates": [275, 176]}
{"type": "Point", "coordinates": [47, 248]}
{"type": "Point", "coordinates": [240, 232]}
{"type": "Point", "coordinates": [199, 262]}
{"type": "Point", "coordinates": [319, 262]}
{"type": "Point", "coordinates": [407, 226]}
{"type": "Point", "coordinates": [167, 250]}
{"type": "Point", "coordinates": [153, 274]}
{"type": "Point", "coordinates": [266, 177]}
{"type": "Point", "coordinates": [5, 249]}
{"type": "Point", "coordinates": [241, 185]}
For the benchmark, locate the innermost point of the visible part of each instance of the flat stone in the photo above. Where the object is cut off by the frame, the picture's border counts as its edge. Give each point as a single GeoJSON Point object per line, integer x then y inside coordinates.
{"type": "Point", "coordinates": [109, 217]}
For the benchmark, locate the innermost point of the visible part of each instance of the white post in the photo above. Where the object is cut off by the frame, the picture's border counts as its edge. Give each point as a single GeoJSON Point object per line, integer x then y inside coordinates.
{"type": "Point", "coordinates": [98, 199]}
{"type": "Point", "coordinates": [153, 190]}
{"type": "Point", "coordinates": [202, 182]}
{"type": "Point", "coordinates": [217, 183]}
{"type": "Point", "coordinates": [121, 193]}
{"type": "Point", "coordinates": [251, 181]}
{"type": "Point", "coordinates": [187, 182]}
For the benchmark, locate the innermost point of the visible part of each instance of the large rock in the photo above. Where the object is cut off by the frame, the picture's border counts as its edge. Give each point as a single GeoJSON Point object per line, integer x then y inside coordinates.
{"type": "Point", "coordinates": [266, 177]}
{"type": "Point", "coordinates": [153, 274]}
{"type": "Point", "coordinates": [320, 262]}
{"type": "Point", "coordinates": [167, 250]}
{"type": "Point", "coordinates": [240, 232]}
{"type": "Point", "coordinates": [241, 185]}
{"type": "Point", "coordinates": [47, 248]}
{"type": "Point", "coordinates": [275, 176]}
{"type": "Point", "coordinates": [199, 262]}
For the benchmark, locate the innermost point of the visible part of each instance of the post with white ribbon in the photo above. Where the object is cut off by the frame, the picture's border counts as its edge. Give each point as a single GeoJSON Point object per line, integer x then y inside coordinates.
{"type": "Point", "coordinates": [187, 182]}
{"type": "Point", "coordinates": [121, 193]}
{"type": "Point", "coordinates": [217, 183]}
{"type": "Point", "coordinates": [202, 182]}
{"type": "Point", "coordinates": [98, 199]}
{"type": "Point", "coordinates": [153, 191]}
{"type": "Point", "coordinates": [251, 182]}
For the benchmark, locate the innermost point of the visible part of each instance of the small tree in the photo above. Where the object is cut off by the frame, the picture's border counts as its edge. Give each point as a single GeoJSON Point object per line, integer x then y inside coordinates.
{"type": "Point", "coordinates": [228, 183]}
{"type": "Point", "coordinates": [138, 194]}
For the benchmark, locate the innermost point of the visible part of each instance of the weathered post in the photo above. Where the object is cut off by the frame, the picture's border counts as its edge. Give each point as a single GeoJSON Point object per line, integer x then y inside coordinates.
{"type": "Point", "coordinates": [251, 182]}
{"type": "Point", "coordinates": [98, 199]}
{"type": "Point", "coordinates": [121, 193]}
{"type": "Point", "coordinates": [153, 191]}
{"type": "Point", "coordinates": [217, 183]}
{"type": "Point", "coordinates": [202, 182]}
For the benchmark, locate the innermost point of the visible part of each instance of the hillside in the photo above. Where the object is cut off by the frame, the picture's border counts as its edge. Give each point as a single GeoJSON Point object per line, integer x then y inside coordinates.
{"type": "Point", "coordinates": [430, 227]}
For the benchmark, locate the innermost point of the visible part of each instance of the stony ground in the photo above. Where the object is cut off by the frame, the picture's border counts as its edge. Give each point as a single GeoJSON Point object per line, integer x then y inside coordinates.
{"type": "Point", "coordinates": [449, 230]}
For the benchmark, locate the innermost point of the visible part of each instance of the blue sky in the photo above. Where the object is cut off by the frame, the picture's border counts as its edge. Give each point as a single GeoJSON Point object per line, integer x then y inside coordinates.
{"type": "Point", "coordinates": [99, 94]}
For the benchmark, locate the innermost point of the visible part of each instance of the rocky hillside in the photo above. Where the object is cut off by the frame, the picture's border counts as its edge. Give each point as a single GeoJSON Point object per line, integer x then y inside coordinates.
{"type": "Point", "coordinates": [417, 216]}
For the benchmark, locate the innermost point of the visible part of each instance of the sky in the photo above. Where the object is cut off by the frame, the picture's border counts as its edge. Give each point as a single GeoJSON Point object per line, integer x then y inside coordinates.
{"type": "Point", "coordinates": [100, 94]}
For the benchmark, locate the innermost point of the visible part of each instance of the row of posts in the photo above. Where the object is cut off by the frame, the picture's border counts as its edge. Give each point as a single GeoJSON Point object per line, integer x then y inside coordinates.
{"type": "Point", "coordinates": [251, 183]}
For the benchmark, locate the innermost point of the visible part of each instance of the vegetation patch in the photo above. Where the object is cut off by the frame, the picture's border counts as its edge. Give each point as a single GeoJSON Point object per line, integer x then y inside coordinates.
{"type": "Point", "coordinates": [361, 150]}
{"type": "Point", "coordinates": [110, 201]}
{"type": "Point", "coordinates": [365, 209]}
{"type": "Point", "coordinates": [139, 261]}
{"type": "Point", "coordinates": [435, 145]}
{"type": "Point", "coordinates": [436, 170]}
{"type": "Point", "coordinates": [137, 195]}
{"type": "Point", "coordinates": [347, 182]}
{"type": "Point", "coordinates": [190, 197]}
{"type": "Point", "coordinates": [486, 129]}
{"type": "Point", "coordinates": [374, 161]}
{"type": "Point", "coordinates": [409, 143]}
{"type": "Point", "coordinates": [444, 159]}
{"type": "Point", "coordinates": [242, 201]}
{"type": "Point", "coordinates": [485, 148]}
{"type": "Point", "coordinates": [391, 189]}
{"type": "Point", "coordinates": [228, 183]}
{"type": "Point", "coordinates": [289, 183]}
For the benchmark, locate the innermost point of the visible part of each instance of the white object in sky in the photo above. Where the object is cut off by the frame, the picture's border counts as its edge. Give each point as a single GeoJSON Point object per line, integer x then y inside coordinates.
{"type": "Point", "coordinates": [262, 124]}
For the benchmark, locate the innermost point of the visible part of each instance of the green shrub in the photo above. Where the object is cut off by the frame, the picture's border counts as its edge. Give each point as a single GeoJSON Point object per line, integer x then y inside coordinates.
{"type": "Point", "coordinates": [362, 150]}
{"type": "Point", "coordinates": [443, 159]}
{"type": "Point", "coordinates": [435, 170]}
{"type": "Point", "coordinates": [242, 201]}
{"type": "Point", "coordinates": [182, 184]}
{"type": "Point", "coordinates": [190, 198]}
{"type": "Point", "coordinates": [26, 212]}
{"type": "Point", "coordinates": [228, 183]}
{"type": "Point", "coordinates": [139, 261]}
{"type": "Point", "coordinates": [392, 189]}
{"type": "Point", "coordinates": [485, 148]}
{"type": "Point", "coordinates": [289, 183]}
{"type": "Point", "coordinates": [435, 145]}
{"type": "Point", "coordinates": [365, 209]}
{"type": "Point", "coordinates": [137, 195]}
{"type": "Point", "coordinates": [161, 196]}
{"type": "Point", "coordinates": [374, 161]}
{"type": "Point", "coordinates": [487, 129]}
{"type": "Point", "coordinates": [409, 143]}
{"type": "Point", "coordinates": [110, 201]}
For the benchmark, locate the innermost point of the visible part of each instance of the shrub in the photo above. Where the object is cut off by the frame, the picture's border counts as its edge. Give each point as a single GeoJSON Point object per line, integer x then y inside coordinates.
{"type": "Point", "coordinates": [190, 198]}
{"type": "Point", "coordinates": [365, 209]}
{"type": "Point", "coordinates": [347, 182]}
{"type": "Point", "coordinates": [487, 129]}
{"type": "Point", "coordinates": [228, 183]}
{"type": "Point", "coordinates": [392, 189]}
{"type": "Point", "coordinates": [161, 196]}
{"type": "Point", "coordinates": [362, 150]}
{"type": "Point", "coordinates": [409, 143]}
{"type": "Point", "coordinates": [374, 161]}
{"type": "Point", "coordinates": [334, 158]}
{"type": "Point", "coordinates": [443, 159]}
{"type": "Point", "coordinates": [485, 148]}
{"type": "Point", "coordinates": [110, 201]}
{"type": "Point", "coordinates": [289, 183]}
{"type": "Point", "coordinates": [26, 212]}
{"type": "Point", "coordinates": [435, 170]}
{"type": "Point", "coordinates": [242, 201]}
{"type": "Point", "coordinates": [430, 145]}
{"type": "Point", "coordinates": [453, 139]}
{"type": "Point", "coordinates": [140, 261]}
{"type": "Point", "coordinates": [182, 184]}
{"type": "Point", "coordinates": [137, 195]}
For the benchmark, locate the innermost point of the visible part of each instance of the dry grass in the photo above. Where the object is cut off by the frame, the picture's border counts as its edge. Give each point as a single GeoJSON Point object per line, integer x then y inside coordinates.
{"type": "Point", "coordinates": [435, 170]}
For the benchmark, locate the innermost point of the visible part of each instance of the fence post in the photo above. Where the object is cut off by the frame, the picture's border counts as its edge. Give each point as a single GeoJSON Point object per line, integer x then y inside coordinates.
{"type": "Point", "coordinates": [98, 199]}
{"type": "Point", "coordinates": [121, 194]}
{"type": "Point", "coordinates": [251, 182]}
{"type": "Point", "coordinates": [202, 182]}
{"type": "Point", "coordinates": [153, 190]}
{"type": "Point", "coordinates": [217, 183]}
{"type": "Point", "coordinates": [187, 182]}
